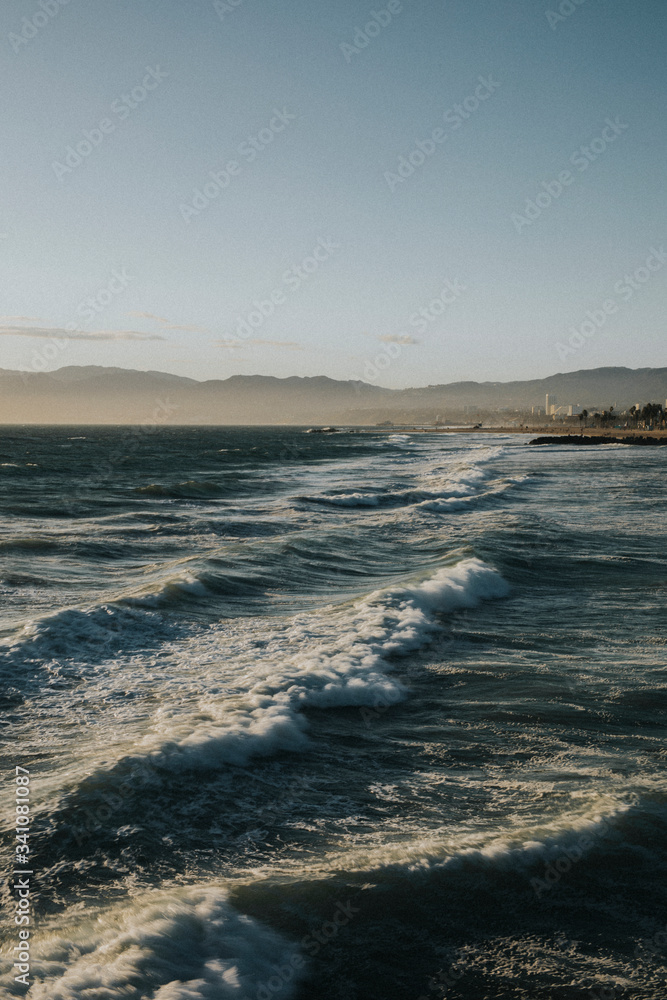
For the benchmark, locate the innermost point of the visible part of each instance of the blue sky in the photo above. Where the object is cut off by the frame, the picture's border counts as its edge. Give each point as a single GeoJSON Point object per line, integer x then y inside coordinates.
{"type": "Point", "coordinates": [312, 253]}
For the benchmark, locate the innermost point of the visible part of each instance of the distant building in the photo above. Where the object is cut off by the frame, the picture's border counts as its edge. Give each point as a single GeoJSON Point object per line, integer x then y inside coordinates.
{"type": "Point", "coordinates": [567, 410]}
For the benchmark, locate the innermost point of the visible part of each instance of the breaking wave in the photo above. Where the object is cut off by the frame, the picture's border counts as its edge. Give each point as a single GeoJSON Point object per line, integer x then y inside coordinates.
{"type": "Point", "coordinates": [187, 944]}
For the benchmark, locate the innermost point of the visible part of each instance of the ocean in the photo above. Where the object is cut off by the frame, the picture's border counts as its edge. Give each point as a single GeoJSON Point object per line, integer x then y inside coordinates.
{"type": "Point", "coordinates": [363, 716]}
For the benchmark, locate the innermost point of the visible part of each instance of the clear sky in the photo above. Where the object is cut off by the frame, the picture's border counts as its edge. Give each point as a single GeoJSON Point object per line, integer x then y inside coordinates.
{"type": "Point", "coordinates": [117, 114]}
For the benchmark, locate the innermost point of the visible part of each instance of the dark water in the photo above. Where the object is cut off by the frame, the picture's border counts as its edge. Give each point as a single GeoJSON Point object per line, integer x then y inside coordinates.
{"type": "Point", "coordinates": [348, 716]}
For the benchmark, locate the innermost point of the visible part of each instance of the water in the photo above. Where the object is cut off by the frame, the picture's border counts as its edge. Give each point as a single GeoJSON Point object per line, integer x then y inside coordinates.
{"type": "Point", "coordinates": [352, 715]}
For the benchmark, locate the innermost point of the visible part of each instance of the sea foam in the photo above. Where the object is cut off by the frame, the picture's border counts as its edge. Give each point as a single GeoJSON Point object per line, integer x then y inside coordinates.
{"type": "Point", "coordinates": [188, 944]}
{"type": "Point", "coordinates": [339, 658]}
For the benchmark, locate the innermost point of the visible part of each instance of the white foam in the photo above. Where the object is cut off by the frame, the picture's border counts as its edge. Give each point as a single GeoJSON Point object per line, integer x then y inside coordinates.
{"type": "Point", "coordinates": [154, 595]}
{"type": "Point", "coordinates": [184, 944]}
{"type": "Point", "coordinates": [347, 663]}
{"type": "Point", "coordinates": [446, 504]}
{"type": "Point", "coordinates": [522, 843]}
{"type": "Point", "coordinates": [349, 499]}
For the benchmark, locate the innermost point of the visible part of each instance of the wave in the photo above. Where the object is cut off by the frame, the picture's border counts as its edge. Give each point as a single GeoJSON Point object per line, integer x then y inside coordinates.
{"type": "Point", "coordinates": [546, 909]}
{"type": "Point", "coordinates": [453, 496]}
{"type": "Point", "coordinates": [184, 944]}
{"type": "Point", "coordinates": [349, 666]}
{"type": "Point", "coordinates": [442, 484]}
{"type": "Point", "coordinates": [524, 846]}
{"type": "Point", "coordinates": [393, 498]}
{"type": "Point", "coordinates": [167, 591]}
{"type": "Point", "coordinates": [571, 913]}
{"type": "Point", "coordinates": [131, 620]}
{"type": "Point", "coordinates": [75, 634]}
{"type": "Point", "coordinates": [345, 499]}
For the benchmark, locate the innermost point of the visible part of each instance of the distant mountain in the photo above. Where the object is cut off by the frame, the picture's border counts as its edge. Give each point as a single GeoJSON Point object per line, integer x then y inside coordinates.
{"type": "Point", "coordinates": [97, 395]}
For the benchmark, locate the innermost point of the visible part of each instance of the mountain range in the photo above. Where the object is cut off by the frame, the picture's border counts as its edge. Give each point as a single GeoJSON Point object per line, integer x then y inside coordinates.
{"type": "Point", "coordinates": [99, 395]}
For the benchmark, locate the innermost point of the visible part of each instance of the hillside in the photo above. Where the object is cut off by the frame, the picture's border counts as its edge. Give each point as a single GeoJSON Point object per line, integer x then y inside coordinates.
{"type": "Point", "coordinates": [92, 395]}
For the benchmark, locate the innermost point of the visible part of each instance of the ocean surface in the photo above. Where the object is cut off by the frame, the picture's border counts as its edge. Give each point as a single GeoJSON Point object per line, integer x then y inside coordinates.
{"type": "Point", "coordinates": [357, 716]}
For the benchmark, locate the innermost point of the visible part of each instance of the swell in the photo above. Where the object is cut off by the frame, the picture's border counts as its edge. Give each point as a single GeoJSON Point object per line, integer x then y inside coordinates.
{"type": "Point", "coordinates": [239, 577]}
{"type": "Point", "coordinates": [340, 657]}
{"type": "Point", "coordinates": [445, 487]}
{"type": "Point", "coordinates": [579, 913]}
{"type": "Point", "coordinates": [351, 667]}
{"type": "Point", "coordinates": [552, 912]}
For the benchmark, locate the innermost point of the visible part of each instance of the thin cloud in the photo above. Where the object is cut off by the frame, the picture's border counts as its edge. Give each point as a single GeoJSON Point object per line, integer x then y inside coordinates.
{"type": "Point", "coordinates": [167, 323]}
{"type": "Point", "coordinates": [144, 315]}
{"type": "Point", "coordinates": [20, 319]}
{"type": "Point", "coordinates": [20, 331]}
{"type": "Point", "coordinates": [288, 345]}
{"type": "Point", "coordinates": [285, 345]}
{"type": "Point", "coordinates": [392, 338]}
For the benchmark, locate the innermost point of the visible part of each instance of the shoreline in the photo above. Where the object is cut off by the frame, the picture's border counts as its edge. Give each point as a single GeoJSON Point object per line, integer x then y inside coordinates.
{"type": "Point", "coordinates": [615, 434]}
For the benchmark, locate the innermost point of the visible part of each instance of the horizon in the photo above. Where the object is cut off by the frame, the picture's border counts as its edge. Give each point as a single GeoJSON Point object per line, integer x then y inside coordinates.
{"type": "Point", "coordinates": [248, 179]}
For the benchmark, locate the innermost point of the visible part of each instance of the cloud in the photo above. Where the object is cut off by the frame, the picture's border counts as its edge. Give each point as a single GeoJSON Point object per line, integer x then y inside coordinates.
{"type": "Point", "coordinates": [144, 315]}
{"type": "Point", "coordinates": [392, 338]}
{"type": "Point", "coordinates": [285, 345]}
{"type": "Point", "coordinates": [21, 331]}
{"type": "Point", "coordinates": [167, 323]}
{"type": "Point", "coordinates": [288, 345]}
{"type": "Point", "coordinates": [20, 319]}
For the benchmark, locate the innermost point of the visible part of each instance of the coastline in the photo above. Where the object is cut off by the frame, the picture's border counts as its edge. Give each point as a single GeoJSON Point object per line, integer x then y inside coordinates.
{"type": "Point", "coordinates": [615, 434]}
{"type": "Point", "coordinates": [583, 440]}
